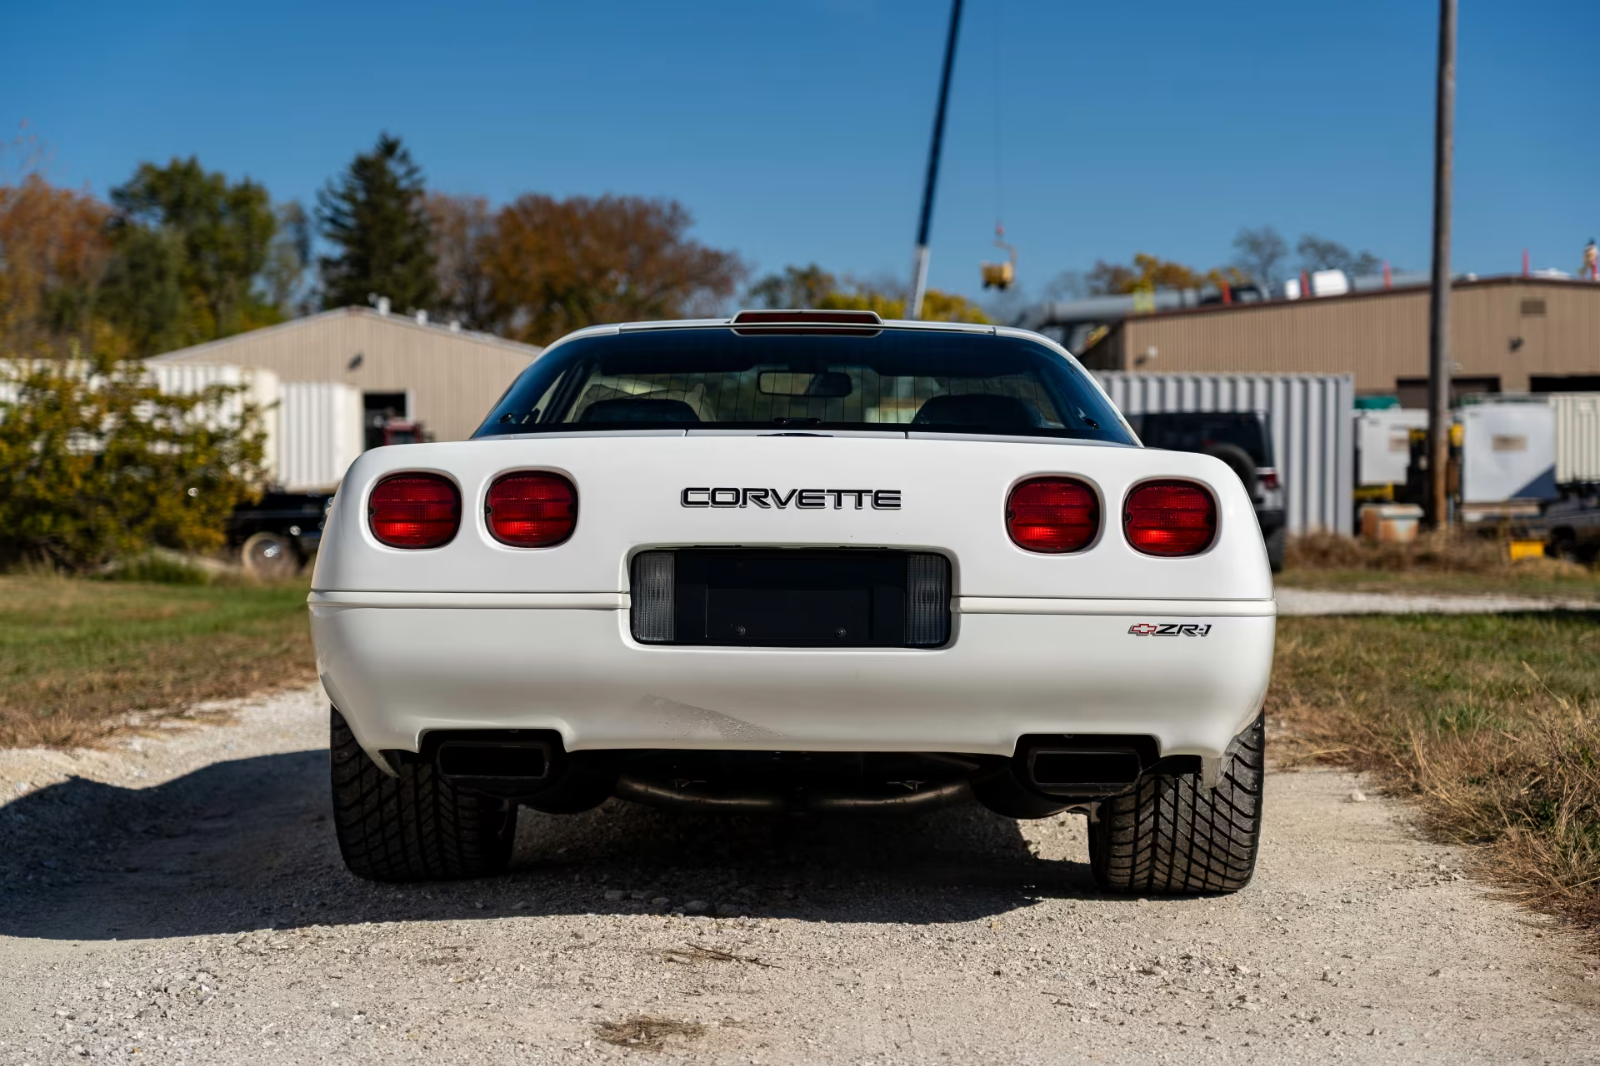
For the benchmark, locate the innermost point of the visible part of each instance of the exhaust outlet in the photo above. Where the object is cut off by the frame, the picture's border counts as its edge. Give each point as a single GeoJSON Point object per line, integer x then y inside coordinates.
{"type": "Point", "coordinates": [505, 765]}
{"type": "Point", "coordinates": [1084, 766]}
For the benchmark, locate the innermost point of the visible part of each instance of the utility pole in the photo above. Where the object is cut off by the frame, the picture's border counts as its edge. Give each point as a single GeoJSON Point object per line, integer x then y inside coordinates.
{"type": "Point", "coordinates": [1439, 365]}
{"type": "Point", "coordinates": [919, 269]}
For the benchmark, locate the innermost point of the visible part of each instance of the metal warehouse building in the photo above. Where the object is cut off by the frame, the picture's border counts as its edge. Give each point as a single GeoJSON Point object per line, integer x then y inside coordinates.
{"type": "Point", "coordinates": [1509, 334]}
{"type": "Point", "coordinates": [442, 376]}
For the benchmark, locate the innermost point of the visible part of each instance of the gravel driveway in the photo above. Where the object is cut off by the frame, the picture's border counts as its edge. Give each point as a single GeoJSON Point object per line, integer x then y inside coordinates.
{"type": "Point", "coordinates": [1330, 601]}
{"type": "Point", "coordinates": [185, 901]}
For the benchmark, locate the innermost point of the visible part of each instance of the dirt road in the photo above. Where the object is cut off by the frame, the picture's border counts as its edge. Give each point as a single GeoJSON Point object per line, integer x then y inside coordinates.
{"type": "Point", "coordinates": [185, 902]}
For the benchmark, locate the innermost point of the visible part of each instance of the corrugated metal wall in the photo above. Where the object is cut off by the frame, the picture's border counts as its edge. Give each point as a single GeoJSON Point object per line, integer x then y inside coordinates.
{"type": "Point", "coordinates": [1577, 436]}
{"type": "Point", "coordinates": [1509, 328]}
{"type": "Point", "coordinates": [1312, 419]}
{"type": "Point", "coordinates": [320, 425]}
{"type": "Point", "coordinates": [453, 377]}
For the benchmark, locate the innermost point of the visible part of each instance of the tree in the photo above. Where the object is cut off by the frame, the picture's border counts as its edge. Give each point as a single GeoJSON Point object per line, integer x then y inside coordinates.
{"type": "Point", "coordinates": [53, 256]}
{"type": "Point", "coordinates": [376, 216]}
{"type": "Point", "coordinates": [559, 265]}
{"type": "Point", "coordinates": [462, 227]}
{"type": "Point", "coordinates": [1261, 254]}
{"type": "Point", "coordinates": [937, 306]}
{"type": "Point", "coordinates": [1147, 274]}
{"type": "Point", "coordinates": [1317, 253]}
{"type": "Point", "coordinates": [219, 234]}
{"type": "Point", "coordinates": [288, 289]}
{"type": "Point", "coordinates": [100, 463]}
{"type": "Point", "coordinates": [796, 288]}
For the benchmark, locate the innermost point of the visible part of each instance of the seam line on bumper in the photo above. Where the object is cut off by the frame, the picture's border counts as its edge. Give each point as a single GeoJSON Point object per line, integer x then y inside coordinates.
{"type": "Point", "coordinates": [522, 601]}
{"type": "Point", "coordinates": [1150, 608]}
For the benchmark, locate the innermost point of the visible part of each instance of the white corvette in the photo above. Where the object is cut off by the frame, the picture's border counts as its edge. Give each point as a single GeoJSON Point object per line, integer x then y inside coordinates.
{"type": "Point", "coordinates": [797, 561]}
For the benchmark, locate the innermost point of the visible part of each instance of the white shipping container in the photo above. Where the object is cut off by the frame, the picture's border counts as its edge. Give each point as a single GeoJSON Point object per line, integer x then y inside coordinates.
{"type": "Point", "coordinates": [258, 387]}
{"type": "Point", "coordinates": [1310, 416]}
{"type": "Point", "coordinates": [320, 432]}
{"type": "Point", "coordinates": [1383, 444]}
{"type": "Point", "coordinates": [1577, 436]}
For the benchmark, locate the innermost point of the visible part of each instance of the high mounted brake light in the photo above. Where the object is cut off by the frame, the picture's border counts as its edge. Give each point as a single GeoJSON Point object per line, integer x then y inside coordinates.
{"type": "Point", "coordinates": [1053, 515]}
{"type": "Point", "coordinates": [415, 511]}
{"type": "Point", "coordinates": [838, 323]}
{"type": "Point", "coordinates": [532, 509]}
{"type": "Point", "coordinates": [793, 318]}
{"type": "Point", "coordinates": [1170, 518]}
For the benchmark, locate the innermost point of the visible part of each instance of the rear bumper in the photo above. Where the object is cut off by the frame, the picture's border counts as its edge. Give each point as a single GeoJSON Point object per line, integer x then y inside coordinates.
{"type": "Point", "coordinates": [398, 665]}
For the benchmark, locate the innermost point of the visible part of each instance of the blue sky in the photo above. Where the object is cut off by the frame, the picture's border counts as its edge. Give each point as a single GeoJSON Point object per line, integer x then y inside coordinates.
{"type": "Point", "coordinates": [798, 132]}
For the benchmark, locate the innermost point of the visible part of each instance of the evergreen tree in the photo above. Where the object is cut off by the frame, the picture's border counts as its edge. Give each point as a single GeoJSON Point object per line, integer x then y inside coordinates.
{"type": "Point", "coordinates": [375, 214]}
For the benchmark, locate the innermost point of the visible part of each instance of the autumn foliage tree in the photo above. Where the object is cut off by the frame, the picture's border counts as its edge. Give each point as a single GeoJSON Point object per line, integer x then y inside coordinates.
{"type": "Point", "coordinates": [53, 254]}
{"type": "Point", "coordinates": [559, 265]}
{"type": "Point", "coordinates": [812, 287]}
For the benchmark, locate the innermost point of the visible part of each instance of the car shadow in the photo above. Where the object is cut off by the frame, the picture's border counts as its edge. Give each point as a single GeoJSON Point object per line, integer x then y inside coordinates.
{"type": "Point", "coordinates": [249, 844]}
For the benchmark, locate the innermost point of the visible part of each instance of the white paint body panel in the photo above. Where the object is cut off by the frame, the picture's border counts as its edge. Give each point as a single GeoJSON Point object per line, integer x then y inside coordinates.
{"type": "Point", "coordinates": [476, 634]}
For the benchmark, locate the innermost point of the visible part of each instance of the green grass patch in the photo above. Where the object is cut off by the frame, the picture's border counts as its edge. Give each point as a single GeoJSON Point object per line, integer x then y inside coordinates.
{"type": "Point", "coordinates": [76, 656]}
{"type": "Point", "coordinates": [1490, 722]}
{"type": "Point", "coordinates": [1533, 579]}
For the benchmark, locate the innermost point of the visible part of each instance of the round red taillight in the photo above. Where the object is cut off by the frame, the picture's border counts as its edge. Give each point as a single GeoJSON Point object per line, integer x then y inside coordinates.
{"type": "Point", "coordinates": [1053, 515]}
{"type": "Point", "coordinates": [415, 511]}
{"type": "Point", "coordinates": [532, 509]}
{"type": "Point", "coordinates": [1170, 518]}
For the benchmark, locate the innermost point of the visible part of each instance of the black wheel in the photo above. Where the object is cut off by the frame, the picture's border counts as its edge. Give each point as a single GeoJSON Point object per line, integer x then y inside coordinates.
{"type": "Point", "coordinates": [1239, 461]}
{"type": "Point", "coordinates": [270, 556]}
{"type": "Point", "coordinates": [416, 827]}
{"type": "Point", "coordinates": [1170, 835]}
{"type": "Point", "coordinates": [1277, 542]}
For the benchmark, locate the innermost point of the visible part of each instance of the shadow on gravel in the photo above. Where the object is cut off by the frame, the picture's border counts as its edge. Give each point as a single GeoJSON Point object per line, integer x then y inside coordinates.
{"type": "Point", "coordinates": [248, 844]}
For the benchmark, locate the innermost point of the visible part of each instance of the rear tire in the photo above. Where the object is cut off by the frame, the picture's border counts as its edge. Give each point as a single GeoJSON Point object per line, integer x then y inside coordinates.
{"type": "Point", "coordinates": [1169, 835]}
{"type": "Point", "coordinates": [416, 827]}
{"type": "Point", "coordinates": [270, 557]}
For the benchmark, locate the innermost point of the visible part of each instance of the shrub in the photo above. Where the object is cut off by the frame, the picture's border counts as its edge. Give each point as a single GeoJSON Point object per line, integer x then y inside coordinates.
{"type": "Point", "coordinates": [96, 463]}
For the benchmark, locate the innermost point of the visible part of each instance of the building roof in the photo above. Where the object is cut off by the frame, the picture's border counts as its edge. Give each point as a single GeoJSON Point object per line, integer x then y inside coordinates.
{"type": "Point", "coordinates": [216, 351]}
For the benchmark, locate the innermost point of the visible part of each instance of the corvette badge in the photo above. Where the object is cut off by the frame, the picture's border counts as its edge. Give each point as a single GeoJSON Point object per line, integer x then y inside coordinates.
{"type": "Point", "coordinates": [1169, 629]}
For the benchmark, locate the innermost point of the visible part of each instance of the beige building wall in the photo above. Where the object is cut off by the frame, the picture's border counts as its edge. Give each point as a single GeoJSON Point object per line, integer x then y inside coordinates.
{"type": "Point", "coordinates": [454, 377]}
{"type": "Point", "coordinates": [1507, 328]}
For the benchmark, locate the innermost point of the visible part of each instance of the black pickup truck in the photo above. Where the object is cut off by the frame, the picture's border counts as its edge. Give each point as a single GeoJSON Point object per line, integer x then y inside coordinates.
{"type": "Point", "coordinates": [1569, 527]}
{"type": "Point", "coordinates": [1242, 440]}
{"type": "Point", "coordinates": [276, 536]}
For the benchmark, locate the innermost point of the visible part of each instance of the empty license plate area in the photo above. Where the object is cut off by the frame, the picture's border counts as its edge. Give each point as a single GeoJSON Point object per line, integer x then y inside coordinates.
{"type": "Point", "coordinates": [791, 598]}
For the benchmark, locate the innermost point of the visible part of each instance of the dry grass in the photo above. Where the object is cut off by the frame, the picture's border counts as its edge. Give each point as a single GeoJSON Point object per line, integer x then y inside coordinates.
{"type": "Point", "coordinates": [1434, 562]}
{"type": "Point", "coordinates": [1490, 722]}
{"type": "Point", "coordinates": [78, 656]}
{"type": "Point", "coordinates": [647, 1031]}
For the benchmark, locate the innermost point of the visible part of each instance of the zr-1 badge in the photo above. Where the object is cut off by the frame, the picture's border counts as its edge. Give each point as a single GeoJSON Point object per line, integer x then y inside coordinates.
{"type": "Point", "coordinates": [1169, 629]}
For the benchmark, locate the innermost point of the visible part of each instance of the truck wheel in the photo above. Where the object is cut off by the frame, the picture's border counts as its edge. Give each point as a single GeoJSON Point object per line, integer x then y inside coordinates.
{"type": "Point", "coordinates": [270, 556]}
{"type": "Point", "coordinates": [1276, 544]}
{"type": "Point", "coordinates": [1170, 835]}
{"type": "Point", "coordinates": [416, 827]}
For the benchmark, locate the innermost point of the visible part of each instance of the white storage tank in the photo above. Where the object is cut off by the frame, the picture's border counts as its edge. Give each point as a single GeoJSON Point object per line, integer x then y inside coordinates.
{"type": "Point", "coordinates": [1508, 452]}
{"type": "Point", "coordinates": [257, 387]}
{"type": "Point", "coordinates": [1383, 444]}
{"type": "Point", "coordinates": [320, 434]}
{"type": "Point", "coordinates": [1577, 437]}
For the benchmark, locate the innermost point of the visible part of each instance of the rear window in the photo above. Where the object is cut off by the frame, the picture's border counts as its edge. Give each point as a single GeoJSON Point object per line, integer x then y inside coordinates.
{"type": "Point", "coordinates": [894, 380]}
{"type": "Point", "coordinates": [1187, 431]}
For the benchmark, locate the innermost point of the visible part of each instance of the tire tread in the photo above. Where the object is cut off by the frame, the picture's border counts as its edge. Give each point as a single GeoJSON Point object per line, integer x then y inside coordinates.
{"type": "Point", "coordinates": [416, 827]}
{"type": "Point", "coordinates": [1169, 835]}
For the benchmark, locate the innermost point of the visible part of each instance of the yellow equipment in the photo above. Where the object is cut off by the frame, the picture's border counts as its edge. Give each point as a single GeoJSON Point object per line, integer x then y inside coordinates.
{"type": "Point", "coordinates": [1000, 275]}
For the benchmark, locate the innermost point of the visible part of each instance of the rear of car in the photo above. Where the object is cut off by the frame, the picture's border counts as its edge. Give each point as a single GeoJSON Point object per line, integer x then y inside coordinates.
{"type": "Point", "coordinates": [1243, 440]}
{"type": "Point", "coordinates": [797, 562]}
